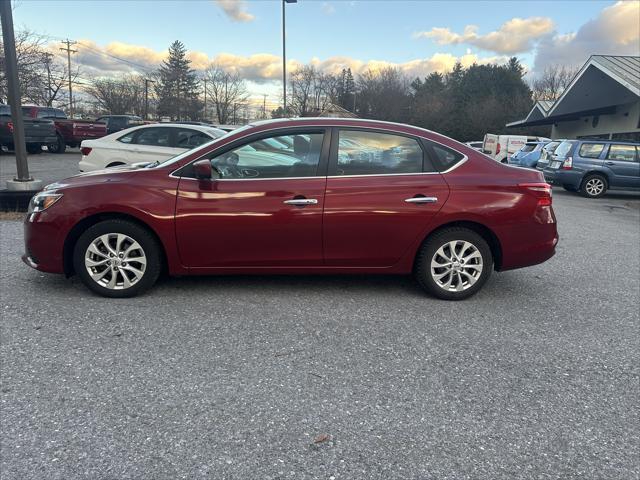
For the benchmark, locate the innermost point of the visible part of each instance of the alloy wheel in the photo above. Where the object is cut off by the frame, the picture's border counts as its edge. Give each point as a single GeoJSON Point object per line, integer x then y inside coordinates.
{"type": "Point", "coordinates": [456, 266]}
{"type": "Point", "coordinates": [115, 261]}
{"type": "Point", "coordinates": [594, 186]}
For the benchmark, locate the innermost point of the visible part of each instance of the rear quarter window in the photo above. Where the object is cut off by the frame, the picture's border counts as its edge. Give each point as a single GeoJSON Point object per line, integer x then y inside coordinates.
{"type": "Point", "coordinates": [444, 158]}
{"type": "Point", "coordinates": [591, 150]}
{"type": "Point", "coordinates": [626, 153]}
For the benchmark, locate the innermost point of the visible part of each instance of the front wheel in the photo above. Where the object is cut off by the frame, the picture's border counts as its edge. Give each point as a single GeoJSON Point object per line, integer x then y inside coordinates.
{"type": "Point", "coordinates": [454, 263]}
{"type": "Point", "coordinates": [117, 258]}
{"type": "Point", "coordinates": [594, 186]}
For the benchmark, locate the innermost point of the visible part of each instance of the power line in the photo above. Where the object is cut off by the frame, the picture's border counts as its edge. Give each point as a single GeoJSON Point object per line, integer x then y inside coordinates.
{"type": "Point", "coordinates": [69, 51]}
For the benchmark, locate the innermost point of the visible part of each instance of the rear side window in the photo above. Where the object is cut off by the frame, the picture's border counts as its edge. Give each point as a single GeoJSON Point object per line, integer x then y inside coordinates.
{"type": "Point", "coordinates": [625, 153]}
{"type": "Point", "coordinates": [158, 137]}
{"type": "Point", "coordinates": [444, 157]}
{"type": "Point", "coordinates": [59, 113]}
{"type": "Point", "coordinates": [563, 149]}
{"type": "Point", "coordinates": [187, 138]}
{"type": "Point", "coordinates": [529, 147]}
{"type": "Point", "coordinates": [374, 153]}
{"type": "Point", "coordinates": [591, 150]}
{"type": "Point", "coordinates": [128, 138]}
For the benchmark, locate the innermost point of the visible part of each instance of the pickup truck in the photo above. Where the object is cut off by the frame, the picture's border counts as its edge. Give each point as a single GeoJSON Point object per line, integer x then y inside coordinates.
{"type": "Point", "coordinates": [115, 123]}
{"type": "Point", "coordinates": [68, 132]}
{"type": "Point", "coordinates": [38, 132]}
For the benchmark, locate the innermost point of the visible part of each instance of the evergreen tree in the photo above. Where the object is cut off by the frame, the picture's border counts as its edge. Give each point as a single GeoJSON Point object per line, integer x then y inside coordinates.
{"type": "Point", "coordinates": [177, 86]}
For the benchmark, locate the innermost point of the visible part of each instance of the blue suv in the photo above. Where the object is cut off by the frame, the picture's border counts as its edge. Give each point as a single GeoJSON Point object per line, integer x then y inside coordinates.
{"type": "Point", "coordinates": [528, 155]}
{"type": "Point", "coordinates": [591, 167]}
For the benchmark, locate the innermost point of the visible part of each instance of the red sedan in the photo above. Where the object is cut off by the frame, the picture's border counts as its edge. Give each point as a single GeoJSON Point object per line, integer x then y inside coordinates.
{"type": "Point", "coordinates": [298, 196]}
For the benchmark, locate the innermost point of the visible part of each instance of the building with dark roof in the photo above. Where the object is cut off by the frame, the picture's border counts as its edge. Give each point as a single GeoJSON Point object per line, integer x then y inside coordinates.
{"type": "Point", "coordinates": [602, 101]}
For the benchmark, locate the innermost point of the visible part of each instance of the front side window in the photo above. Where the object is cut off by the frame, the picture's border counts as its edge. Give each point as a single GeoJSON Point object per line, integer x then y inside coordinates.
{"type": "Point", "coordinates": [373, 153]}
{"type": "Point", "coordinates": [299, 158]}
{"type": "Point", "coordinates": [591, 150]}
{"type": "Point", "coordinates": [158, 137]}
{"type": "Point", "coordinates": [625, 153]}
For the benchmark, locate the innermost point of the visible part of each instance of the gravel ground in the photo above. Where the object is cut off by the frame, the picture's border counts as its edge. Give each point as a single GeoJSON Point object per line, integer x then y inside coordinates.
{"type": "Point", "coordinates": [332, 377]}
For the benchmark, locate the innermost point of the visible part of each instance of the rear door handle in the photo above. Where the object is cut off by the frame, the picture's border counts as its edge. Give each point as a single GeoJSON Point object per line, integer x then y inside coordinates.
{"type": "Point", "coordinates": [421, 199]}
{"type": "Point", "coordinates": [302, 201]}
{"type": "Point", "coordinates": [610, 163]}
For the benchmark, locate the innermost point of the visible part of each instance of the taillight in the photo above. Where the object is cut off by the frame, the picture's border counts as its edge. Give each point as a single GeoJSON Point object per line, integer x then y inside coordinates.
{"type": "Point", "coordinates": [10, 126]}
{"type": "Point", "coordinates": [497, 149]}
{"type": "Point", "coordinates": [541, 190]}
{"type": "Point", "coordinates": [85, 150]}
{"type": "Point", "coordinates": [568, 163]}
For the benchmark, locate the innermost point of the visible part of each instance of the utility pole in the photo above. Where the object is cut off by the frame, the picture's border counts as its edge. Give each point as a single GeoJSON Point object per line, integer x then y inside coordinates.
{"type": "Point", "coordinates": [47, 61]}
{"type": "Point", "coordinates": [69, 52]}
{"type": "Point", "coordinates": [146, 97]}
{"type": "Point", "coordinates": [264, 106]}
{"type": "Point", "coordinates": [284, 57]}
{"type": "Point", "coordinates": [23, 181]}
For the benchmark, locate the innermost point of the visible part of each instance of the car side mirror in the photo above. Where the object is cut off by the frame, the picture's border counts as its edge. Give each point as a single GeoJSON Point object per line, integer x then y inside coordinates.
{"type": "Point", "coordinates": [205, 171]}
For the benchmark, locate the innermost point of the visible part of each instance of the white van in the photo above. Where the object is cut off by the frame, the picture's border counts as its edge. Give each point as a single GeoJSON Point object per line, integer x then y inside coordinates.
{"type": "Point", "coordinates": [501, 147]}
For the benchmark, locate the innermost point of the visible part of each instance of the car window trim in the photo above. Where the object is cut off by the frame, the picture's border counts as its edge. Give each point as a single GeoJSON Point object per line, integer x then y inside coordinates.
{"type": "Point", "coordinates": [321, 171]}
{"type": "Point", "coordinates": [335, 140]}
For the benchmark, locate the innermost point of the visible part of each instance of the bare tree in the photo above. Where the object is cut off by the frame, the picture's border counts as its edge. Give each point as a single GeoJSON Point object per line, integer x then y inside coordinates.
{"type": "Point", "coordinates": [118, 96]}
{"type": "Point", "coordinates": [552, 82]}
{"type": "Point", "coordinates": [383, 94]}
{"type": "Point", "coordinates": [226, 91]}
{"type": "Point", "coordinates": [312, 90]}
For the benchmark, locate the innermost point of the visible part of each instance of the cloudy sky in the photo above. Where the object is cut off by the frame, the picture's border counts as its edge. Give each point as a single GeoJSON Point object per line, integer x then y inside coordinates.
{"type": "Point", "coordinates": [418, 36]}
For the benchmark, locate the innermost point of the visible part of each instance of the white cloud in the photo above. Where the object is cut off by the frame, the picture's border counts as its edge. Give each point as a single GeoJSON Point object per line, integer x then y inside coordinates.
{"type": "Point", "coordinates": [235, 9]}
{"type": "Point", "coordinates": [328, 8]}
{"type": "Point", "coordinates": [616, 31]}
{"type": "Point", "coordinates": [514, 36]}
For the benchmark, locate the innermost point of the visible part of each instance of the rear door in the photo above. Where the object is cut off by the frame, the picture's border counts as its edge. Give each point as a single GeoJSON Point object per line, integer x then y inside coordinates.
{"type": "Point", "coordinates": [382, 193]}
{"type": "Point", "coordinates": [152, 144]}
{"type": "Point", "coordinates": [622, 165]}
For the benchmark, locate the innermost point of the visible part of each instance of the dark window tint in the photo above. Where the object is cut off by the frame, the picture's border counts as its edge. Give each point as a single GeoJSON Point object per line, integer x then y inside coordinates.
{"type": "Point", "coordinates": [373, 153]}
{"type": "Point", "coordinates": [186, 138]}
{"type": "Point", "coordinates": [46, 113]}
{"type": "Point", "coordinates": [625, 153]}
{"type": "Point", "coordinates": [445, 157]}
{"type": "Point", "coordinates": [159, 137]}
{"type": "Point", "coordinates": [5, 110]}
{"type": "Point", "coordinates": [298, 157]}
{"type": "Point", "coordinates": [117, 122]}
{"type": "Point", "coordinates": [27, 112]}
{"type": "Point", "coordinates": [59, 113]}
{"type": "Point", "coordinates": [591, 150]}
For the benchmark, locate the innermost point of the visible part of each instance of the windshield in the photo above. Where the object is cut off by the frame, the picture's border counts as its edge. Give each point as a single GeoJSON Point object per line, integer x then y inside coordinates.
{"type": "Point", "coordinates": [182, 155]}
{"type": "Point", "coordinates": [5, 110]}
{"type": "Point", "coordinates": [563, 149]}
{"type": "Point", "coordinates": [529, 147]}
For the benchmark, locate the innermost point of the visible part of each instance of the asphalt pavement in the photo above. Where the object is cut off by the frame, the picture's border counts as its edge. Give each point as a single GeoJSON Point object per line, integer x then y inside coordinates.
{"type": "Point", "coordinates": [44, 166]}
{"type": "Point", "coordinates": [355, 377]}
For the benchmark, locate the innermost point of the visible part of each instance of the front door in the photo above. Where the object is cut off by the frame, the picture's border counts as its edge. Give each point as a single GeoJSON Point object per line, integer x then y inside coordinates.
{"type": "Point", "coordinates": [264, 211]}
{"type": "Point", "coordinates": [382, 192]}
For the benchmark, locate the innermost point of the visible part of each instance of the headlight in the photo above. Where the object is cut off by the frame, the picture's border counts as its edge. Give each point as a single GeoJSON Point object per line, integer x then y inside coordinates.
{"type": "Point", "coordinates": [42, 201]}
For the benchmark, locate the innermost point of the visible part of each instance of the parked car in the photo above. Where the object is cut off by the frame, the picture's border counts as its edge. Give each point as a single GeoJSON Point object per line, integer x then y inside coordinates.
{"type": "Point", "coordinates": [38, 132]}
{"type": "Point", "coordinates": [115, 123]}
{"type": "Point", "coordinates": [545, 154]}
{"type": "Point", "coordinates": [475, 145]}
{"type": "Point", "coordinates": [594, 166]}
{"type": "Point", "coordinates": [146, 143]}
{"type": "Point", "coordinates": [501, 147]}
{"type": "Point", "coordinates": [68, 132]}
{"type": "Point", "coordinates": [427, 205]}
{"type": "Point", "coordinates": [528, 155]}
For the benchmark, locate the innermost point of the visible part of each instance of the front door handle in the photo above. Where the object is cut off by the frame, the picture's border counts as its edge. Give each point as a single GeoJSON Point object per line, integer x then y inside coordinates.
{"type": "Point", "coordinates": [421, 199]}
{"type": "Point", "coordinates": [302, 201]}
{"type": "Point", "coordinates": [610, 163]}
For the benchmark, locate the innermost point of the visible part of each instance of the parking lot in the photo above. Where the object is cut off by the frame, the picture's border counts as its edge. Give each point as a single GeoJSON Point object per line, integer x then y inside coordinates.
{"type": "Point", "coordinates": [330, 377]}
{"type": "Point", "coordinates": [44, 166]}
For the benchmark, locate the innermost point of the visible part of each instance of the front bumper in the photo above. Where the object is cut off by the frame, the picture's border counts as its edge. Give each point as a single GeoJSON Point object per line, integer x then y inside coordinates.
{"type": "Point", "coordinates": [44, 243]}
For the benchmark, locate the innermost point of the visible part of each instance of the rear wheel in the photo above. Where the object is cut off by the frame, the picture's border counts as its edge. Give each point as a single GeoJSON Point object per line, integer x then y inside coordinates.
{"type": "Point", "coordinates": [117, 258]}
{"type": "Point", "coordinates": [594, 186]}
{"type": "Point", "coordinates": [454, 263]}
{"type": "Point", "coordinates": [59, 146]}
{"type": "Point", "coordinates": [34, 148]}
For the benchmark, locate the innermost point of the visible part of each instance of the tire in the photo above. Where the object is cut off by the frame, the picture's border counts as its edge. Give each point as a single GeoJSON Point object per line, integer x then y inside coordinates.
{"type": "Point", "coordinates": [59, 147]}
{"type": "Point", "coordinates": [34, 148]}
{"type": "Point", "coordinates": [438, 247]}
{"type": "Point", "coordinates": [594, 186]}
{"type": "Point", "coordinates": [119, 235]}
{"type": "Point", "coordinates": [570, 188]}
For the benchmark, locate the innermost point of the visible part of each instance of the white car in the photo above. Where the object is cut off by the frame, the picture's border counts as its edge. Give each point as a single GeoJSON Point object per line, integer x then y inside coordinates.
{"type": "Point", "coordinates": [144, 144]}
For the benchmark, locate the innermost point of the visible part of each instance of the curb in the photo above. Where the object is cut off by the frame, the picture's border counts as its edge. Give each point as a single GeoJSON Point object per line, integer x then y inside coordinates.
{"type": "Point", "coordinates": [15, 201]}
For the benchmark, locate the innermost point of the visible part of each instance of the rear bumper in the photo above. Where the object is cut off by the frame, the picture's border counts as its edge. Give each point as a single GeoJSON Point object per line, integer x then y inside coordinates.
{"type": "Point", "coordinates": [41, 140]}
{"type": "Point", "coordinates": [562, 177]}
